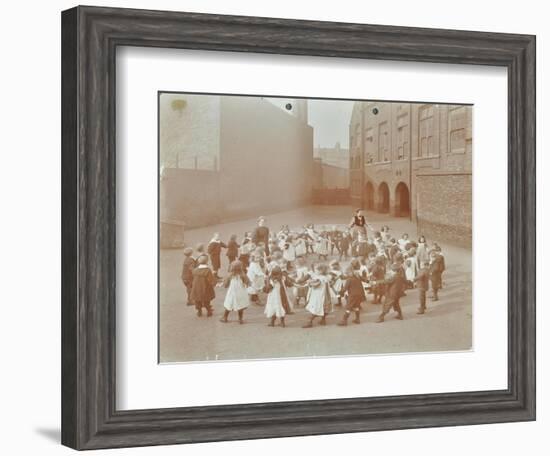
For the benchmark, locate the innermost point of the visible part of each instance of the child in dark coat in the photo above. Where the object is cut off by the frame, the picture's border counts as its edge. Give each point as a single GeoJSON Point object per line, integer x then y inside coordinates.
{"type": "Point", "coordinates": [204, 282]}
{"type": "Point", "coordinates": [344, 244]}
{"type": "Point", "coordinates": [189, 264]}
{"type": "Point", "coordinates": [395, 285]}
{"type": "Point", "coordinates": [355, 292]}
{"type": "Point", "coordinates": [232, 250]}
{"type": "Point", "coordinates": [377, 275]}
{"type": "Point", "coordinates": [422, 282]}
{"type": "Point", "coordinates": [436, 270]}
{"type": "Point", "coordinates": [214, 251]}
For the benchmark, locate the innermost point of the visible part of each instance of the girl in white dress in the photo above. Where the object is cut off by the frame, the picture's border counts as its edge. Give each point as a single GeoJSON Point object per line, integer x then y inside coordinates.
{"type": "Point", "coordinates": [301, 276]}
{"type": "Point", "coordinates": [403, 242]}
{"type": "Point", "coordinates": [300, 247]}
{"type": "Point", "coordinates": [410, 267]}
{"type": "Point", "coordinates": [322, 246]}
{"type": "Point", "coordinates": [277, 305]}
{"type": "Point", "coordinates": [422, 255]}
{"type": "Point", "coordinates": [318, 301]}
{"type": "Point", "coordinates": [289, 252]}
{"type": "Point", "coordinates": [256, 276]}
{"type": "Point", "coordinates": [236, 298]}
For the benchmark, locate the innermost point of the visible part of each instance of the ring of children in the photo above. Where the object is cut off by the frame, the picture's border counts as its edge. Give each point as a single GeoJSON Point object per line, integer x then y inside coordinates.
{"type": "Point", "coordinates": [310, 282]}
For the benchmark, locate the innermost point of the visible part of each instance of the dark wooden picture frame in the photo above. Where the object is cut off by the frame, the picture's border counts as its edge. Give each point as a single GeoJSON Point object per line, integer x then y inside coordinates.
{"type": "Point", "coordinates": [90, 37]}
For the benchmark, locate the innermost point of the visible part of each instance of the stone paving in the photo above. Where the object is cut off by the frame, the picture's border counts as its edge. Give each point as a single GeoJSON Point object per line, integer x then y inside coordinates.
{"type": "Point", "coordinates": [185, 337]}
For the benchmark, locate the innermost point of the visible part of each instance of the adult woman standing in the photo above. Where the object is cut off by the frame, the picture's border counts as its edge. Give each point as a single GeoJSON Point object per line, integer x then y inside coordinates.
{"type": "Point", "coordinates": [358, 224]}
{"type": "Point", "coordinates": [261, 234]}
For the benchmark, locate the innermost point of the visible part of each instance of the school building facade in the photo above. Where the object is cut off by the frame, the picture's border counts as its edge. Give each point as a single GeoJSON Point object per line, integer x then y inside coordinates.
{"type": "Point", "coordinates": [414, 160]}
{"type": "Point", "coordinates": [226, 158]}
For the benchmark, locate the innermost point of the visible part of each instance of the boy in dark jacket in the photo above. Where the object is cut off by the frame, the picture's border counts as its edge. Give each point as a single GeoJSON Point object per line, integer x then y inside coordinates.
{"type": "Point", "coordinates": [436, 270]}
{"type": "Point", "coordinates": [422, 282]}
{"type": "Point", "coordinates": [344, 244]}
{"type": "Point", "coordinates": [355, 293]}
{"type": "Point", "coordinates": [232, 250]}
{"type": "Point", "coordinates": [214, 251]}
{"type": "Point", "coordinates": [395, 285]}
{"type": "Point", "coordinates": [187, 272]}
{"type": "Point", "coordinates": [377, 274]}
{"type": "Point", "coordinates": [204, 282]}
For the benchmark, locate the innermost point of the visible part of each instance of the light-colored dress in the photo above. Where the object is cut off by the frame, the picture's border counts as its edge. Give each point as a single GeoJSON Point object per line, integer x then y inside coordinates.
{"type": "Point", "coordinates": [257, 278]}
{"type": "Point", "coordinates": [322, 246]}
{"type": "Point", "coordinates": [274, 305]}
{"type": "Point", "coordinates": [301, 247]}
{"type": "Point", "coordinates": [410, 268]}
{"type": "Point", "coordinates": [318, 299]}
{"type": "Point", "coordinates": [337, 284]}
{"type": "Point", "coordinates": [237, 295]}
{"type": "Point", "coordinates": [422, 255]}
{"type": "Point", "coordinates": [289, 254]}
{"type": "Point", "coordinates": [380, 248]}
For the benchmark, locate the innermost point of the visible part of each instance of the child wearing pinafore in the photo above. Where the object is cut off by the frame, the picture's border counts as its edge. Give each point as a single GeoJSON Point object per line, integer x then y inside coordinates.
{"type": "Point", "coordinates": [336, 282]}
{"type": "Point", "coordinates": [278, 304]}
{"type": "Point", "coordinates": [256, 277]}
{"type": "Point", "coordinates": [301, 276]}
{"type": "Point", "coordinates": [236, 298]}
{"type": "Point", "coordinates": [318, 301]}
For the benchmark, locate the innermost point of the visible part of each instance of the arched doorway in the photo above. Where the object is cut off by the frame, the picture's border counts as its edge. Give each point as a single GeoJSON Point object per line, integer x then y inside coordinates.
{"type": "Point", "coordinates": [402, 201]}
{"type": "Point", "coordinates": [368, 197]}
{"type": "Point", "coordinates": [383, 198]}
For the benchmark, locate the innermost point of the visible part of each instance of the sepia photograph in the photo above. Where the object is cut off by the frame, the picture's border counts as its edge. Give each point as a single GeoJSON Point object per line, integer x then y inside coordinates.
{"type": "Point", "coordinates": [296, 227]}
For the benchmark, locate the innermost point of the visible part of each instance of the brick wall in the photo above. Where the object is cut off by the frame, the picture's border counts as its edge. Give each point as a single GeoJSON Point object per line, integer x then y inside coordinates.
{"type": "Point", "coordinates": [334, 176]}
{"type": "Point", "coordinates": [189, 131]}
{"type": "Point", "coordinates": [444, 207]}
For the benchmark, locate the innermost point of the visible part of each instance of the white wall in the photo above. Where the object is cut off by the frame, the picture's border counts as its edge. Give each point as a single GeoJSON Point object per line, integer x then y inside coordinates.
{"type": "Point", "coordinates": [30, 228]}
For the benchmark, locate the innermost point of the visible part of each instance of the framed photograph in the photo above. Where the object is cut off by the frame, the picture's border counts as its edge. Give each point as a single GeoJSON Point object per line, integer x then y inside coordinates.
{"type": "Point", "coordinates": [280, 228]}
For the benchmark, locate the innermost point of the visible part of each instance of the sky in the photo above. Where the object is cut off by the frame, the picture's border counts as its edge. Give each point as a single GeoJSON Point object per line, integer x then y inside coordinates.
{"type": "Point", "coordinates": [329, 119]}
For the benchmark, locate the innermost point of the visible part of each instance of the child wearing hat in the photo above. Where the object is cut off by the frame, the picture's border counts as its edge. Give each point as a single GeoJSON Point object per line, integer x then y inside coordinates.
{"type": "Point", "coordinates": [204, 281]}
{"type": "Point", "coordinates": [189, 264]}
{"type": "Point", "coordinates": [236, 298]}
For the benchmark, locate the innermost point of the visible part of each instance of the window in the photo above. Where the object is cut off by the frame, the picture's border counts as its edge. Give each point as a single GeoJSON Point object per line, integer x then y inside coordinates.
{"type": "Point", "coordinates": [457, 130]}
{"type": "Point", "coordinates": [426, 132]}
{"type": "Point", "coordinates": [369, 146]}
{"type": "Point", "coordinates": [383, 142]}
{"type": "Point", "coordinates": [402, 138]}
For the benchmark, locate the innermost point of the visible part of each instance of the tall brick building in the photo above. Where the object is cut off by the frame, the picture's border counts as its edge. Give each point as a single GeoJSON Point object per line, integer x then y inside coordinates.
{"type": "Point", "coordinates": [414, 160]}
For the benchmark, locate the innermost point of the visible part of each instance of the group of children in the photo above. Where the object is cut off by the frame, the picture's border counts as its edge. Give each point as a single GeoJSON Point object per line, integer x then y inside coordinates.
{"type": "Point", "coordinates": [292, 270]}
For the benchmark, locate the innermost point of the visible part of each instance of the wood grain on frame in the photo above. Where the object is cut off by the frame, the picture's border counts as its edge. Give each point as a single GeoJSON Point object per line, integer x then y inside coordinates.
{"type": "Point", "coordinates": [90, 36]}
